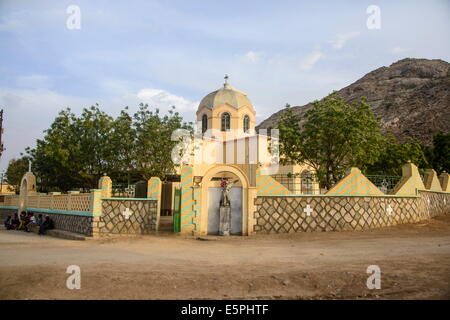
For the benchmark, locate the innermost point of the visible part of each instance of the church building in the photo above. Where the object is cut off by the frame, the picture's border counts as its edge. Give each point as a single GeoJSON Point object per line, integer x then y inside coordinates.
{"type": "Point", "coordinates": [229, 148]}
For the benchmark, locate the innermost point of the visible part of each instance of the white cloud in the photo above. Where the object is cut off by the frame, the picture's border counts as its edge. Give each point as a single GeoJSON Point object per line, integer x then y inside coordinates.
{"type": "Point", "coordinates": [342, 38]}
{"type": "Point", "coordinates": [399, 50]}
{"type": "Point", "coordinates": [252, 56]}
{"type": "Point", "coordinates": [310, 60]}
{"type": "Point", "coordinates": [131, 93]}
{"type": "Point", "coordinates": [163, 100]}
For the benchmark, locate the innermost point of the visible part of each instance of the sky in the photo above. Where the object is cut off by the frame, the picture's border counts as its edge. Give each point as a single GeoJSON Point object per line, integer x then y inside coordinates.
{"type": "Point", "coordinates": [170, 52]}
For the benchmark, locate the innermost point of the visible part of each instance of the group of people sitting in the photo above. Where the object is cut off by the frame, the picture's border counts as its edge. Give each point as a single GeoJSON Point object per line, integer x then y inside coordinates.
{"type": "Point", "coordinates": [27, 221]}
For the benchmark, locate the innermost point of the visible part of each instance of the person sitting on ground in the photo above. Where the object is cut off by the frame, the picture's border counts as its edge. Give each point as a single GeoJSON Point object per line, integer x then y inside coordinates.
{"type": "Point", "coordinates": [48, 224]}
{"type": "Point", "coordinates": [39, 219]}
{"type": "Point", "coordinates": [23, 220]}
{"type": "Point", "coordinates": [32, 223]}
{"type": "Point", "coordinates": [27, 221]}
{"type": "Point", "coordinates": [15, 222]}
{"type": "Point", "coordinates": [8, 224]}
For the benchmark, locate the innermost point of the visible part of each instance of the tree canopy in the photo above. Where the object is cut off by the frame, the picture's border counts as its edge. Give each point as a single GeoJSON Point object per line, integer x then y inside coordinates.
{"type": "Point", "coordinates": [77, 150]}
{"type": "Point", "coordinates": [336, 136]}
{"type": "Point", "coordinates": [394, 155]}
{"type": "Point", "coordinates": [15, 171]}
{"type": "Point", "coordinates": [439, 153]}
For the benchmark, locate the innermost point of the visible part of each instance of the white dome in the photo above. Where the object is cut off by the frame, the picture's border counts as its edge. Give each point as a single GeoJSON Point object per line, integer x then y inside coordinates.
{"type": "Point", "coordinates": [226, 95]}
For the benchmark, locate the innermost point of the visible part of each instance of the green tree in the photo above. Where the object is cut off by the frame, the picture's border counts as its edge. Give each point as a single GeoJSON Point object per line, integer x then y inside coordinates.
{"type": "Point", "coordinates": [153, 141]}
{"type": "Point", "coordinates": [94, 145]}
{"type": "Point", "coordinates": [75, 151]}
{"type": "Point", "coordinates": [394, 155]}
{"type": "Point", "coordinates": [123, 144]}
{"type": "Point", "coordinates": [56, 158]}
{"type": "Point", "coordinates": [15, 171]}
{"type": "Point", "coordinates": [439, 154]}
{"type": "Point", "coordinates": [335, 136]}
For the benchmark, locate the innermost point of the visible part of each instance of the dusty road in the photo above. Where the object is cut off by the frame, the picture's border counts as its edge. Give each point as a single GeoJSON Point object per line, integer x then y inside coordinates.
{"type": "Point", "coordinates": [414, 262]}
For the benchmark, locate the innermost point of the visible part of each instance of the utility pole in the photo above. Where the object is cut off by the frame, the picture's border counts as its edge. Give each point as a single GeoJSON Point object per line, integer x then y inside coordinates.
{"type": "Point", "coordinates": [1, 148]}
{"type": "Point", "coordinates": [1, 182]}
{"type": "Point", "coordinates": [1, 133]}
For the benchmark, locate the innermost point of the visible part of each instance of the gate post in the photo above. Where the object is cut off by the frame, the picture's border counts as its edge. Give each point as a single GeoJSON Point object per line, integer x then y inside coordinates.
{"type": "Point", "coordinates": [105, 184]}
{"type": "Point", "coordinates": [188, 220]}
{"type": "Point", "coordinates": [154, 191]}
{"type": "Point", "coordinates": [177, 210]}
{"type": "Point", "coordinates": [96, 209]}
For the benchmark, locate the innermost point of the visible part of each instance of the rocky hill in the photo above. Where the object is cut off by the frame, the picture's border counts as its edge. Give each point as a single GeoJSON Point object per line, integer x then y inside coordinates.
{"type": "Point", "coordinates": [411, 97]}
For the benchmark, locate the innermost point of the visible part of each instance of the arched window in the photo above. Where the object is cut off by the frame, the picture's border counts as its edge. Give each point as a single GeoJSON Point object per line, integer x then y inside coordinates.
{"type": "Point", "coordinates": [204, 123]}
{"type": "Point", "coordinates": [225, 121]}
{"type": "Point", "coordinates": [246, 123]}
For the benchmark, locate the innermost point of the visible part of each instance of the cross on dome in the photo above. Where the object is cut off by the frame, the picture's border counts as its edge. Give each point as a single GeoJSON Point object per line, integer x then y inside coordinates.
{"type": "Point", "coordinates": [225, 85]}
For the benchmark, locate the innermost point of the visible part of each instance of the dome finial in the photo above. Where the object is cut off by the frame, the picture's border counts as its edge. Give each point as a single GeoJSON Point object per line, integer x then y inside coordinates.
{"type": "Point", "coordinates": [225, 85]}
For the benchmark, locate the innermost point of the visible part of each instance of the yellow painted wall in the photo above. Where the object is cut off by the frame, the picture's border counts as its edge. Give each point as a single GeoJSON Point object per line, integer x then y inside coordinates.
{"type": "Point", "coordinates": [266, 185]}
{"type": "Point", "coordinates": [432, 181]}
{"type": "Point", "coordinates": [445, 181]}
{"type": "Point", "coordinates": [355, 184]}
{"type": "Point", "coordinates": [410, 182]}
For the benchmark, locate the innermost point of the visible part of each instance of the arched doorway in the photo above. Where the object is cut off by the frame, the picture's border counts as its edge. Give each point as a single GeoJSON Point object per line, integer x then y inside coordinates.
{"type": "Point", "coordinates": [214, 196]}
{"type": "Point", "coordinates": [211, 200]}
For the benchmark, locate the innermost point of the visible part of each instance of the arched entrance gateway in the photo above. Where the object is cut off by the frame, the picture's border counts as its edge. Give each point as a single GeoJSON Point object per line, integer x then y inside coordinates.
{"type": "Point", "coordinates": [27, 188]}
{"type": "Point", "coordinates": [230, 148]}
{"type": "Point", "coordinates": [211, 194]}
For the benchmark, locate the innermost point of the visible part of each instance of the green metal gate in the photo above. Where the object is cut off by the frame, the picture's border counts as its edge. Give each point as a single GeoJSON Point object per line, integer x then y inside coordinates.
{"type": "Point", "coordinates": [177, 210]}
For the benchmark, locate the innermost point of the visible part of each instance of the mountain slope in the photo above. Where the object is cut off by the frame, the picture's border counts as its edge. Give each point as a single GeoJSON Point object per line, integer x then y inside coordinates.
{"type": "Point", "coordinates": [411, 97]}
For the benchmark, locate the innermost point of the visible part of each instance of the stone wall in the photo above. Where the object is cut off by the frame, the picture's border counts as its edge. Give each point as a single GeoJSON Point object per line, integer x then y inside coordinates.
{"type": "Point", "coordinates": [434, 203]}
{"type": "Point", "coordinates": [126, 216]}
{"type": "Point", "coordinates": [68, 222]}
{"type": "Point", "coordinates": [72, 223]}
{"type": "Point", "coordinates": [118, 216]}
{"type": "Point", "coordinates": [286, 214]}
{"type": "Point", "coordinates": [5, 212]}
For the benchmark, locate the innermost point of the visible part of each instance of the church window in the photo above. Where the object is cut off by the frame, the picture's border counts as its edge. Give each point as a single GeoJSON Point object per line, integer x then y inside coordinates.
{"type": "Point", "coordinates": [225, 121]}
{"type": "Point", "coordinates": [246, 123]}
{"type": "Point", "coordinates": [204, 123]}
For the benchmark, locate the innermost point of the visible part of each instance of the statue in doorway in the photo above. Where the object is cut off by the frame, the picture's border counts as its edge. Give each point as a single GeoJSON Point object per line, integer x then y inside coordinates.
{"type": "Point", "coordinates": [225, 207]}
{"type": "Point", "coordinates": [226, 187]}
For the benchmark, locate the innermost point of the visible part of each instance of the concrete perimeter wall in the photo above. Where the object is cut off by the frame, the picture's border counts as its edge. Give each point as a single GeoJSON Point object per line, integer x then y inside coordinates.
{"type": "Point", "coordinates": [78, 223]}
{"type": "Point", "coordinates": [286, 214]}
{"type": "Point", "coordinates": [140, 218]}
{"type": "Point", "coordinates": [126, 216]}
{"type": "Point", "coordinates": [94, 213]}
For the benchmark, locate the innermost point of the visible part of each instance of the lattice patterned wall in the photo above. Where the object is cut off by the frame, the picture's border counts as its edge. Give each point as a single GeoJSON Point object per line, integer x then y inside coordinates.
{"type": "Point", "coordinates": [33, 201]}
{"type": "Point", "coordinates": [45, 201]}
{"type": "Point", "coordinates": [60, 202]}
{"type": "Point", "coordinates": [327, 213]}
{"type": "Point", "coordinates": [11, 201]}
{"type": "Point", "coordinates": [72, 202]}
{"type": "Point", "coordinates": [80, 202]}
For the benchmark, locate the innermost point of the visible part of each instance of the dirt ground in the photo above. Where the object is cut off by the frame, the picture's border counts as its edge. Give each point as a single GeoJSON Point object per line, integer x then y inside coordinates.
{"type": "Point", "coordinates": [414, 261]}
